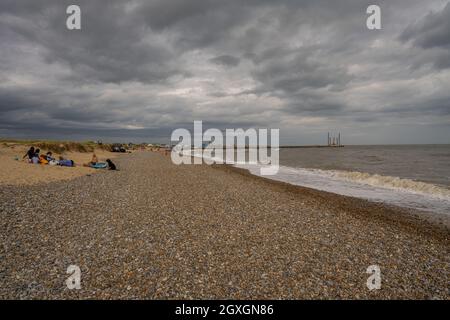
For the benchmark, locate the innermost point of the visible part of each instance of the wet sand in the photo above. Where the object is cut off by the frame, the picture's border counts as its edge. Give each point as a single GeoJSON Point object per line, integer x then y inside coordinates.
{"type": "Point", "coordinates": [154, 230]}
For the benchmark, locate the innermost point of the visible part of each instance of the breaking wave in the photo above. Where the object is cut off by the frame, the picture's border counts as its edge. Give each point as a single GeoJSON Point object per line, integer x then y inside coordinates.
{"type": "Point", "coordinates": [402, 192]}
{"type": "Point", "coordinates": [393, 190]}
{"type": "Point", "coordinates": [396, 183]}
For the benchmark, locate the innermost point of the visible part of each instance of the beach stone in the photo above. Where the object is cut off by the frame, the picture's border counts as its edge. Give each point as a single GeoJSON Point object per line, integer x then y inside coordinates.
{"type": "Point", "coordinates": [154, 230]}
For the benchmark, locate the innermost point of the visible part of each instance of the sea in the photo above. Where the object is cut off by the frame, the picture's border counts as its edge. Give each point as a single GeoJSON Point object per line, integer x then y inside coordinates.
{"type": "Point", "coordinates": [410, 176]}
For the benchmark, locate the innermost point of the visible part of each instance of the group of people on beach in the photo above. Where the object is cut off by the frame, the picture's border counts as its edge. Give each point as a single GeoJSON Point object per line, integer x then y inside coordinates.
{"type": "Point", "coordinates": [35, 157]}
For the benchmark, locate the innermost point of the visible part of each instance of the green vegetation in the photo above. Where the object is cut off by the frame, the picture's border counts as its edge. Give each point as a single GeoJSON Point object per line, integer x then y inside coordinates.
{"type": "Point", "coordinates": [58, 146]}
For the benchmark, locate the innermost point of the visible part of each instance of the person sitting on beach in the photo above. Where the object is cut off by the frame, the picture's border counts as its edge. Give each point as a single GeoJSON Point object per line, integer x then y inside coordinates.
{"type": "Point", "coordinates": [35, 158]}
{"type": "Point", "coordinates": [29, 154]}
{"type": "Point", "coordinates": [111, 165]}
{"type": "Point", "coordinates": [49, 156]}
{"type": "Point", "coordinates": [93, 161]}
{"type": "Point", "coordinates": [43, 159]}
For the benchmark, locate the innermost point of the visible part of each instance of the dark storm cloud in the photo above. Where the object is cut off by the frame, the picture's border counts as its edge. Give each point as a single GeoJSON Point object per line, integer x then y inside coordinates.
{"type": "Point", "coordinates": [432, 31]}
{"type": "Point", "coordinates": [139, 68]}
{"type": "Point", "coordinates": [111, 46]}
{"type": "Point", "coordinates": [293, 72]}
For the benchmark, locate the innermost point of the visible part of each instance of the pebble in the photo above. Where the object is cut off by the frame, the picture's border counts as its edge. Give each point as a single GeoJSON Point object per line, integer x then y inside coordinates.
{"type": "Point", "coordinates": [162, 231]}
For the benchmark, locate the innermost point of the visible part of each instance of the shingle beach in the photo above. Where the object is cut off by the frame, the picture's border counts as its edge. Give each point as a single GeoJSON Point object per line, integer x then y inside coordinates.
{"type": "Point", "coordinates": [154, 230]}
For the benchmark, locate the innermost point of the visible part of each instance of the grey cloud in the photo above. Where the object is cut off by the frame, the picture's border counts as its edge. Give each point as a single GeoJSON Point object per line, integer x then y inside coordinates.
{"type": "Point", "coordinates": [111, 46]}
{"type": "Point", "coordinates": [430, 32]}
{"type": "Point", "coordinates": [226, 60]}
{"type": "Point", "coordinates": [141, 68]}
{"type": "Point", "coordinates": [290, 73]}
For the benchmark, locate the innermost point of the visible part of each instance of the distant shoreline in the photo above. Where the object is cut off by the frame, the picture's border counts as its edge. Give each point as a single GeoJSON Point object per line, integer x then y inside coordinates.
{"type": "Point", "coordinates": [312, 146]}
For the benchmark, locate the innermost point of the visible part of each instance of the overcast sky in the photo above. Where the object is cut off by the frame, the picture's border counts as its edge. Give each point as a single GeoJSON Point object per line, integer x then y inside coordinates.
{"type": "Point", "coordinates": [139, 69]}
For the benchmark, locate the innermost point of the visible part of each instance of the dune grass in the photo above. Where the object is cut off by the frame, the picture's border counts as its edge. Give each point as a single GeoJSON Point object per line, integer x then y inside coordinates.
{"type": "Point", "coordinates": [58, 146]}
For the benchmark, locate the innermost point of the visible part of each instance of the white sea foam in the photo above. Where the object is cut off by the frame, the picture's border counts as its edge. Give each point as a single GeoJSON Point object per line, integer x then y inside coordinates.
{"type": "Point", "coordinates": [393, 190]}
{"type": "Point", "coordinates": [396, 183]}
